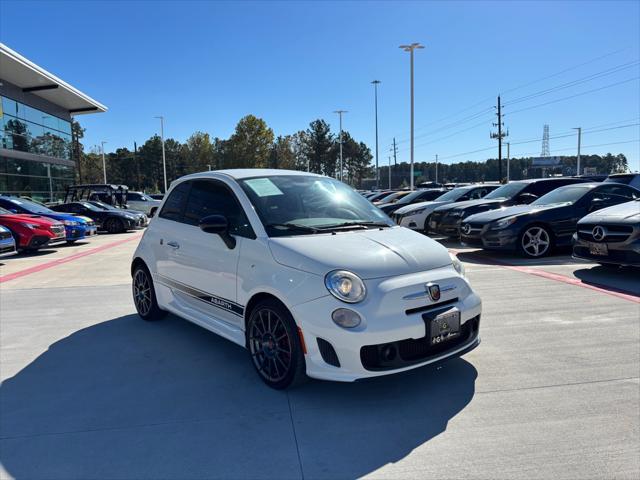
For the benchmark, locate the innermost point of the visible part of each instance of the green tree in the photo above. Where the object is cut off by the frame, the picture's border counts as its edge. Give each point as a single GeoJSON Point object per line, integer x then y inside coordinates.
{"type": "Point", "coordinates": [319, 148]}
{"type": "Point", "coordinates": [250, 144]}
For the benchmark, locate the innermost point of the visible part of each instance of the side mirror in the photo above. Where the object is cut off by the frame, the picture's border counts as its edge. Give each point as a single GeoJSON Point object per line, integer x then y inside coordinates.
{"type": "Point", "coordinates": [218, 225]}
{"type": "Point", "coordinates": [527, 198]}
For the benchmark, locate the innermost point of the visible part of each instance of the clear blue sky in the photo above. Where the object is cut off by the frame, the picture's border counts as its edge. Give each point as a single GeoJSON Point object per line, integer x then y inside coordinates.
{"type": "Point", "coordinates": [203, 65]}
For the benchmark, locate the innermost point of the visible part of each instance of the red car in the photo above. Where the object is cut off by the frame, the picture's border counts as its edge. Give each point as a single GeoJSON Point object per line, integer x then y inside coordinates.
{"type": "Point", "coordinates": [32, 232]}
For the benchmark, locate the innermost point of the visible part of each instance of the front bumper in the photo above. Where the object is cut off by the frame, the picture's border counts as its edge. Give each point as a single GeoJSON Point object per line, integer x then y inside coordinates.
{"type": "Point", "coordinates": [7, 247]}
{"type": "Point", "coordinates": [447, 226]}
{"type": "Point", "coordinates": [483, 237]}
{"type": "Point", "coordinates": [391, 314]}
{"type": "Point", "coordinates": [78, 232]}
{"type": "Point", "coordinates": [618, 253]}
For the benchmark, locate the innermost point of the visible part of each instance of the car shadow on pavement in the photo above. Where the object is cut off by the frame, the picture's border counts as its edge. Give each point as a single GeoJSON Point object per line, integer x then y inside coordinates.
{"type": "Point", "coordinates": [616, 279]}
{"type": "Point", "coordinates": [131, 399]}
{"type": "Point", "coordinates": [496, 257]}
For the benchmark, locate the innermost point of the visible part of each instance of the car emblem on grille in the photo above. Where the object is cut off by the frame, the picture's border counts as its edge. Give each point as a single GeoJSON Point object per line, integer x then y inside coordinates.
{"type": "Point", "coordinates": [466, 229]}
{"type": "Point", "coordinates": [434, 291]}
{"type": "Point", "coordinates": [598, 233]}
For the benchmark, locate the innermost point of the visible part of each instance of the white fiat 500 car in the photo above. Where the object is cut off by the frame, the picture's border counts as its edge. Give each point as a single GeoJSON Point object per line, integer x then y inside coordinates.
{"type": "Point", "coordinates": [306, 274]}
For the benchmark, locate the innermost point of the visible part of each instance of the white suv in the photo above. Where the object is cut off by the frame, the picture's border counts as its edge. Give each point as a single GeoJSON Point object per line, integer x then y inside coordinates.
{"type": "Point", "coordinates": [143, 202]}
{"type": "Point", "coordinates": [306, 274]}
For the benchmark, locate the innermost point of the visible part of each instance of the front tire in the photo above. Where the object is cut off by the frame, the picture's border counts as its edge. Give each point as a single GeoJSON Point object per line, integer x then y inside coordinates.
{"type": "Point", "coordinates": [274, 345]}
{"type": "Point", "coordinates": [115, 225]}
{"type": "Point", "coordinates": [144, 295]}
{"type": "Point", "coordinates": [535, 241]}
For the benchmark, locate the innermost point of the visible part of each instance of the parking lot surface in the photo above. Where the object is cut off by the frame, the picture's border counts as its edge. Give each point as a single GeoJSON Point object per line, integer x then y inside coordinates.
{"type": "Point", "coordinates": [91, 391]}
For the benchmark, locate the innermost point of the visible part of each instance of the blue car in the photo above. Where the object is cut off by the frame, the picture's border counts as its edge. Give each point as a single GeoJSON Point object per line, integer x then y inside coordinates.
{"type": "Point", "coordinates": [76, 228]}
{"type": "Point", "coordinates": [7, 243]}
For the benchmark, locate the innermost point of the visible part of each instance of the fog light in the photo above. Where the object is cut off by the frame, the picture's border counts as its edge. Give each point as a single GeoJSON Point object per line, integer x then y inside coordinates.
{"type": "Point", "coordinates": [345, 318]}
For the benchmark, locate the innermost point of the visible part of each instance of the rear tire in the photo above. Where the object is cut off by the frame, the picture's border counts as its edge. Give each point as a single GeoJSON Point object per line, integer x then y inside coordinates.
{"type": "Point", "coordinates": [275, 346]}
{"type": "Point", "coordinates": [144, 295]}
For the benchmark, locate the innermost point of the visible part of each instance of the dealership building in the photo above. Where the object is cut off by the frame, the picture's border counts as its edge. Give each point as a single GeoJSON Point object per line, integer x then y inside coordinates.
{"type": "Point", "coordinates": [37, 154]}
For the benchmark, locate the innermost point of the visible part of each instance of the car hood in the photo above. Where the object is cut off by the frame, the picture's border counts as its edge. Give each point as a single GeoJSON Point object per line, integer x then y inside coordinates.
{"type": "Point", "coordinates": [418, 206]}
{"type": "Point", "coordinates": [504, 212]}
{"type": "Point", "coordinates": [628, 212]}
{"type": "Point", "coordinates": [63, 216]}
{"type": "Point", "coordinates": [473, 203]}
{"type": "Point", "coordinates": [369, 254]}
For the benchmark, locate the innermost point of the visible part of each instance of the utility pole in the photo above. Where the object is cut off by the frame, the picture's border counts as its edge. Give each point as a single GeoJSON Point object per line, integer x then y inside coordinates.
{"type": "Point", "coordinates": [135, 160]}
{"type": "Point", "coordinates": [340, 112]}
{"type": "Point", "coordinates": [375, 88]}
{"type": "Point", "coordinates": [500, 135]}
{"type": "Point", "coordinates": [389, 172]}
{"type": "Point", "coordinates": [410, 49]}
{"type": "Point", "coordinates": [579, 129]}
{"type": "Point", "coordinates": [164, 161]}
{"type": "Point", "coordinates": [436, 168]}
{"type": "Point", "coordinates": [104, 164]}
{"type": "Point", "coordinates": [508, 159]}
{"type": "Point", "coordinates": [395, 153]}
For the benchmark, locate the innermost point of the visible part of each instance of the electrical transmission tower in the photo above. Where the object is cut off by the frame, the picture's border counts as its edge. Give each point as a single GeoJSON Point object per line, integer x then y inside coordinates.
{"type": "Point", "coordinates": [545, 142]}
{"type": "Point", "coordinates": [499, 136]}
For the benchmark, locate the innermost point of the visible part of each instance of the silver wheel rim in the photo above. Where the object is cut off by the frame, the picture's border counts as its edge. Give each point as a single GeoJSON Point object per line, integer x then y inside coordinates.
{"type": "Point", "coordinates": [142, 292]}
{"type": "Point", "coordinates": [535, 241]}
{"type": "Point", "coordinates": [270, 345]}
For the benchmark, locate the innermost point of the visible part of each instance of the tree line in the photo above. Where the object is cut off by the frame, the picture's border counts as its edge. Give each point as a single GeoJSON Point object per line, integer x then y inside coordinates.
{"type": "Point", "coordinates": [252, 145]}
{"type": "Point", "coordinates": [316, 149]}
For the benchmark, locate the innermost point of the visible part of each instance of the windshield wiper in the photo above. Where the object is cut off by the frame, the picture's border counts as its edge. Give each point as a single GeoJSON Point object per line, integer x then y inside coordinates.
{"type": "Point", "coordinates": [294, 226]}
{"type": "Point", "coordinates": [345, 225]}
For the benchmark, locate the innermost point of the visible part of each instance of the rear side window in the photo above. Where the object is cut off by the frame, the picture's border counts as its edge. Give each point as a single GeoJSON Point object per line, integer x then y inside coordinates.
{"type": "Point", "coordinates": [173, 207]}
{"type": "Point", "coordinates": [208, 197]}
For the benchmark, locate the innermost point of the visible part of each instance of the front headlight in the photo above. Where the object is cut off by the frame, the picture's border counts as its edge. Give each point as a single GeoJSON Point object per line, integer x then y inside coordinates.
{"type": "Point", "coordinates": [504, 223]}
{"type": "Point", "coordinates": [345, 286]}
{"type": "Point", "coordinates": [32, 226]}
{"type": "Point", "coordinates": [415, 212]}
{"type": "Point", "coordinates": [71, 223]}
{"type": "Point", "coordinates": [457, 264]}
{"type": "Point", "coordinates": [455, 213]}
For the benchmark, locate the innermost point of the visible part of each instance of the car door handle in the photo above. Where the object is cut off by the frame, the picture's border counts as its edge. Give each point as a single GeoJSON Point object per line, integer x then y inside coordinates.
{"type": "Point", "coordinates": [175, 245]}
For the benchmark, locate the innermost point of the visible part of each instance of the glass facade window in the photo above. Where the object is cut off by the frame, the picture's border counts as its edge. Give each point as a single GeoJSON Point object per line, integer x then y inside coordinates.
{"type": "Point", "coordinates": [42, 181]}
{"type": "Point", "coordinates": [28, 129]}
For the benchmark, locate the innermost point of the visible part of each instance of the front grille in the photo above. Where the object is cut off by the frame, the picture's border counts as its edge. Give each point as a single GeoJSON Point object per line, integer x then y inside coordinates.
{"type": "Point", "coordinates": [393, 355]}
{"type": "Point", "coordinates": [328, 353]}
{"type": "Point", "coordinates": [614, 233]}
{"type": "Point", "coordinates": [433, 306]}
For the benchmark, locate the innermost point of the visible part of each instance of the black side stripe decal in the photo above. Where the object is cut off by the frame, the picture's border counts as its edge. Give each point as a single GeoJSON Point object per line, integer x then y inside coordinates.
{"type": "Point", "coordinates": [218, 302]}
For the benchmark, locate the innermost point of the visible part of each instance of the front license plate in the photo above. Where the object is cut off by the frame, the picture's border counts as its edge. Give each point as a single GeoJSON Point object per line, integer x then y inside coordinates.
{"type": "Point", "coordinates": [445, 327]}
{"type": "Point", "coordinates": [598, 249]}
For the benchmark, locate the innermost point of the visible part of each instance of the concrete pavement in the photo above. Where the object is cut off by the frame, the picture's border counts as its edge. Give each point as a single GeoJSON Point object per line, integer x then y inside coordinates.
{"type": "Point", "coordinates": [91, 391]}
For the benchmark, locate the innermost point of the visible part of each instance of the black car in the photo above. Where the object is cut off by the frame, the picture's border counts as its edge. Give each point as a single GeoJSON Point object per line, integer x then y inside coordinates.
{"type": "Point", "coordinates": [535, 230]}
{"type": "Point", "coordinates": [632, 179]}
{"type": "Point", "coordinates": [446, 220]}
{"type": "Point", "coordinates": [111, 221]}
{"type": "Point", "coordinates": [610, 236]}
{"type": "Point", "coordinates": [141, 217]}
{"type": "Point", "coordinates": [414, 197]}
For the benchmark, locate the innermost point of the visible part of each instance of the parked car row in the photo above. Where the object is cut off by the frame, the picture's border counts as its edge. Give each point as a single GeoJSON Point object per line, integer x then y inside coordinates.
{"type": "Point", "coordinates": [27, 225]}
{"type": "Point", "coordinates": [535, 217]}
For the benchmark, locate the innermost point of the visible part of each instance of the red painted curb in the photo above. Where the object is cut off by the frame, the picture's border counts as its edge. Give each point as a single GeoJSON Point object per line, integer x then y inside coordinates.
{"type": "Point", "coordinates": [60, 261]}
{"type": "Point", "coordinates": [557, 277]}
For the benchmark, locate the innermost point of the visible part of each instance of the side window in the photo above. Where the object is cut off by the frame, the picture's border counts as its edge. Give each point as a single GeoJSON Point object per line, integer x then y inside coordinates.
{"type": "Point", "coordinates": [172, 209]}
{"type": "Point", "coordinates": [72, 208]}
{"type": "Point", "coordinates": [134, 196]}
{"type": "Point", "coordinates": [208, 197]}
{"type": "Point", "coordinates": [478, 193]}
{"type": "Point", "coordinates": [615, 193]}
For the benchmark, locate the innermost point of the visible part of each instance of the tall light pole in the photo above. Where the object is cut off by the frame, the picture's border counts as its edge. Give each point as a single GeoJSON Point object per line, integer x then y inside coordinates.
{"type": "Point", "coordinates": [375, 89]}
{"type": "Point", "coordinates": [104, 164]}
{"type": "Point", "coordinates": [579, 129]}
{"type": "Point", "coordinates": [389, 172]}
{"type": "Point", "coordinates": [164, 161]}
{"type": "Point", "coordinates": [340, 112]}
{"type": "Point", "coordinates": [410, 49]}
{"type": "Point", "coordinates": [508, 158]}
{"type": "Point", "coordinates": [436, 168]}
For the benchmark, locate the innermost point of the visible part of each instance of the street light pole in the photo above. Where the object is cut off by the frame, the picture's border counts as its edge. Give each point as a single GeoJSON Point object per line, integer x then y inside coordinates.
{"type": "Point", "coordinates": [389, 172]}
{"type": "Point", "coordinates": [436, 168]}
{"type": "Point", "coordinates": [164, 160]}
{"type": "Point", "coordinates": [375, 88]}
{"type": "Point", "coordinates": [410, 49]}
{"type": "Point", "coordinates": [508, 158]}
{"type": "Point", "coordinates": [340, 112]}
{"type": "Point", "coordinates": [579, 129]}
{"type": "Point", "coordinates": [104, 164]}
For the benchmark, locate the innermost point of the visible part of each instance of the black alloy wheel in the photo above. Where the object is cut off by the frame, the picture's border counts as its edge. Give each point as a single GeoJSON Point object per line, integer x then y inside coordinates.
{"type": "Point", "coordinates": [274, 345]}
{"type": "Point", "coordinates": [144, 295]}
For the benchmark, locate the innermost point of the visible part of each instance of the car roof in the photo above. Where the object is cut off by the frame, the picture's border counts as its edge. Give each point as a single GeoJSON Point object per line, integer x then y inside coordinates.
{"type": "Point", "coordinates": [241, 173]}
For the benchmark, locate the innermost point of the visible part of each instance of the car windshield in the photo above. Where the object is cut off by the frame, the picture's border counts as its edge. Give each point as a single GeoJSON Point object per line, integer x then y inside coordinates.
{"type": "Point", "coordinates": [88, 206]}
{"type": "Point", "coordinates": [390, 197]}
{"type": "Point", "coordinates": [568, 194]}
{"type": "Point", "coordinates": [31, 207]}
{"type": "Point", "coordinates": [300, 204]}
{"type": "Point", "coordinates": [454, 194]}
{"type": "Point", "coordinates": [509, 190]}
